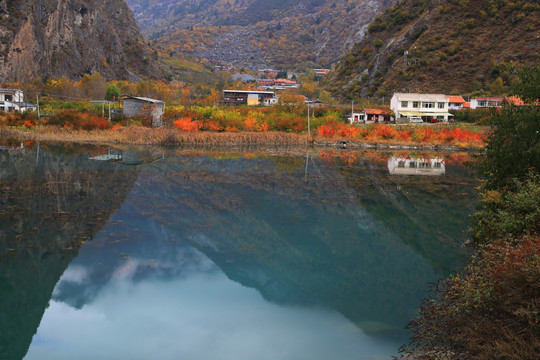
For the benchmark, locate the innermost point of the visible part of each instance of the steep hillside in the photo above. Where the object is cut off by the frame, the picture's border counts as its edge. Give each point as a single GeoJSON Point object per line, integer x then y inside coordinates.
{"type": "Point", "coordinates": [52, 38]}
{"type": "Point", "coordinates": [445, 46]}
{"type": "Point", "coordinates": [255, 33]}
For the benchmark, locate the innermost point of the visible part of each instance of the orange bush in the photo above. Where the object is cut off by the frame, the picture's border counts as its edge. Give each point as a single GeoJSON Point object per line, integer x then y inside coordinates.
{"type": "Point", "coordinates": [250, 124]}
{"type": "Point", "coordinates": [264, 127]}
{"type": "Point", "coordinates": [211, 125]}
{"type": "Point", "coordinates": [186, 124]}
{"type": "Point", "coordinates": [386, 132]}
{"type": "Point", "coordinates": [28, 124]}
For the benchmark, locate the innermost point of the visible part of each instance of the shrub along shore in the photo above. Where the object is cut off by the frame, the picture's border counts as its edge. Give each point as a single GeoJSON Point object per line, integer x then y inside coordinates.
{"type": "Point", "coordinates": [281, 125]}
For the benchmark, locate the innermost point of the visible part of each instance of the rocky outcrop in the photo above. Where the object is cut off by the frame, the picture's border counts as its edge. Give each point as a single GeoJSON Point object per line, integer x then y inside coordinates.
{"type": "Point", "coordinates": [53, 38]}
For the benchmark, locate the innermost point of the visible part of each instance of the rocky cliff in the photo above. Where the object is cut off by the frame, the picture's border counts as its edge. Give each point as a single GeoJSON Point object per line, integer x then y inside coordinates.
{"type": "Point", "coordinates": [52, 38]}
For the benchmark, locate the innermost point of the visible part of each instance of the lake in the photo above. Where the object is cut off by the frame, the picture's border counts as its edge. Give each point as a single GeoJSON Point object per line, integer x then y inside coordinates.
{"type": "Point", "coordinates": [140, 253]}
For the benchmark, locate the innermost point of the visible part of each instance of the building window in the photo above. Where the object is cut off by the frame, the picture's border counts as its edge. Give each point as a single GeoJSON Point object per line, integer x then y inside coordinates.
{"type": "Point", "coordinates": [440, 105]}
{"type": "Point", "coordinates": [404, 104]}
{"type": "Point", "coordinates": [401, 164]}
{"type": "Point", "coordinates": [9, 98]}
{"type": "Point", "coordinates": [440, 118]}
{"type": "Point", "coordinates": [415, 104]}
{"type": "Point", "coordinates": [437, 165]}
{"type": "Point", "coordinates": [412, 164]}
{"type": "Point", "coordinates": [428, 105]}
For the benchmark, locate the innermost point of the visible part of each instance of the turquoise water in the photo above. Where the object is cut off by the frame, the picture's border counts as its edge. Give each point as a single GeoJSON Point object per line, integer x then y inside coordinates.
{"type": "Point", "coordinates": [139, 254]}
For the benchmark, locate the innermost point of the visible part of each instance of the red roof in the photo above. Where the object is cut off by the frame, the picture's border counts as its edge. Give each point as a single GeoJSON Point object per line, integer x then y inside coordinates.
{"type": "Point", "coordinates": [378, 111]}
{"type": "Point", "coordinates": [467, 105]}
{"type": "Point", "coordinates": [455, 99]}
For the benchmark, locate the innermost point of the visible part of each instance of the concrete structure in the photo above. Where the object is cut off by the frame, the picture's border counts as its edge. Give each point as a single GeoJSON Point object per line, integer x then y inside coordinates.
{"type": "Point", "coordinates": [246, 97]}
{"type": "Point", "coordinates": [13, 100]}
{"type": "Point", "coordinates": [429, 107]}
{"type": "Point", "coordinates": [357, 117]}
{"type": "Point", "coordinates": [141, 106]}
{"type": "Point", "coordinates": [486, 102]}
{"type": "Point", "coordinates": [408, 166]}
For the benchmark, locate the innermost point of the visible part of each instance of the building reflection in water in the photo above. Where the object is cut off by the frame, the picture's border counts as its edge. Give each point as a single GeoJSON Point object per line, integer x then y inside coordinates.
{"type": "Point", "coordinates": [416, 166]}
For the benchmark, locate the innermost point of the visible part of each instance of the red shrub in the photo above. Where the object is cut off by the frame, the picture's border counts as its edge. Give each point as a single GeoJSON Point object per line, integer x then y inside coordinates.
{"type": "Point", "coordinates": [186, 124]}
{"type": "Point", "coordinates": [28, 124]}
{"type": "Point", "coordinates": [386, 132]}
{"type": "Point", "coordinates": [250, 124]}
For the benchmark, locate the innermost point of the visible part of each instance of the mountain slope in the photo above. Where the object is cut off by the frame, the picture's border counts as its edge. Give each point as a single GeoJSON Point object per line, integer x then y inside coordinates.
{"type": "Point", "coordinates": [452, 47]}
{"type": "Point", "coordinates": [254, 33]}
{"type": "Point", "coordinates": [52, 38]}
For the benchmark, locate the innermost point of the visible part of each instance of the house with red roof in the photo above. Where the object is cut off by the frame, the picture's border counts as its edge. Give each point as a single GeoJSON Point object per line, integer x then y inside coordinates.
{"type": "Point", "coordinates": [370, 116]}
{"type": "Point", "coordinates": [455, 102]}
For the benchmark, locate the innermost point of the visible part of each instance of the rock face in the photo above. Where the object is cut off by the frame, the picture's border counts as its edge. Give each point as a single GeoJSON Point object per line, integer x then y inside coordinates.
{"type": "Point", "coordinates": [254, 34]}
{"type": "Point", "coordinates": [53, 38]}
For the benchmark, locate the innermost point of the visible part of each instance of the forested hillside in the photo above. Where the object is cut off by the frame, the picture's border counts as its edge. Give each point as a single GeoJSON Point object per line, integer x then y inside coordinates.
{"type": "Point", "coordinates": [446, 46]}
{"type": "Point", "coordinates": [292, 35]}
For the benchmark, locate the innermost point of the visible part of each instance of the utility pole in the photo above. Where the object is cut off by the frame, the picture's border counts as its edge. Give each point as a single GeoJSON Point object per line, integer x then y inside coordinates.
{"type": "Point", "coordinates": [38, 115]}
{"type": "Point", "coordinates": [308, 127]}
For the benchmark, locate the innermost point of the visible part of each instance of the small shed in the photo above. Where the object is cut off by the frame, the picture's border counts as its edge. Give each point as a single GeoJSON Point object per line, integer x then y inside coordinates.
{"type": "Point", "coordinates": [142, 106]}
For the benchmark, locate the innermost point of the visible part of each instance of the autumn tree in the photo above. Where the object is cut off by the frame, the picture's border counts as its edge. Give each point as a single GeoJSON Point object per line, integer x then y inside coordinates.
{"type": "Point", "coordinates": [93, 86]}
{"type": "Point", "coordinates": [113, 92]}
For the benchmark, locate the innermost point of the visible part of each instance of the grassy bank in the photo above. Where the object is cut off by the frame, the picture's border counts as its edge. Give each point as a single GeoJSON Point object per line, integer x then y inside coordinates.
{"type": "Point", "coordinates": [374, 136]}
{"type": "Point", "coordinates": [146, 136]}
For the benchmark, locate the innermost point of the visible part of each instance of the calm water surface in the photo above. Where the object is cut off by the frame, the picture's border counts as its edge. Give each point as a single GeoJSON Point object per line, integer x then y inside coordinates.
{"type": "Point", "coordinates": [157, 254]}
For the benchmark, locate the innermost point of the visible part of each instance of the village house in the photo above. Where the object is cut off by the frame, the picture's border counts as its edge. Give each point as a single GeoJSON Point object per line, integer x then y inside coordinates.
{"type": "Point", "coordinates": [457, 103]}
{"type": "Point", "coordinates": [486, 102]}
{"type": "Point", "coordinates": [247, 97]}
{"type": "Point", "coordinates": [13, 100]}
{"type": "Point", "coordinates": [270, 73]}
{"type": "Point", "coordinates": [265, 82]}
{"type": "Point", "coordinates": [428, 107]}
{"type": "Point", "coordinates": [141, 106]}
{"type": "Point", "coordinates": [281, 84]}
{"type": "Point", "coordinates": [321, 72]}
{"type": "Point", "coordinates": [370, 116]}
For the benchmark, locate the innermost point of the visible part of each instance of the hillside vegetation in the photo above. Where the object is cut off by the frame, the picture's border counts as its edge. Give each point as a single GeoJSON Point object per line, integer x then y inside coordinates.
{"type": "Point", "coordinates": [443, 46]}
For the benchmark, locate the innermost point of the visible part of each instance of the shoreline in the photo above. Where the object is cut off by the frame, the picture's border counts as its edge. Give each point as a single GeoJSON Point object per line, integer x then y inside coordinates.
{"type": "Point", "coordinates": [172, 137]}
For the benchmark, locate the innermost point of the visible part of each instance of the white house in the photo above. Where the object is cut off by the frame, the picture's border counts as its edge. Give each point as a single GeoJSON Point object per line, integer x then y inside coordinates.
{"type": "Point", "coordinates": [429, 107]}
{"type": "Point", "coordinates": [486, 102]}
{"type": "Point", "coordinates": [13, 100]}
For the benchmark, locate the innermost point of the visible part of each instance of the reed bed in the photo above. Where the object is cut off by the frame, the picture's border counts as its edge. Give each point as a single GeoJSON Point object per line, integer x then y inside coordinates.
{"type": "Point", "coordinates": [168, 137]}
